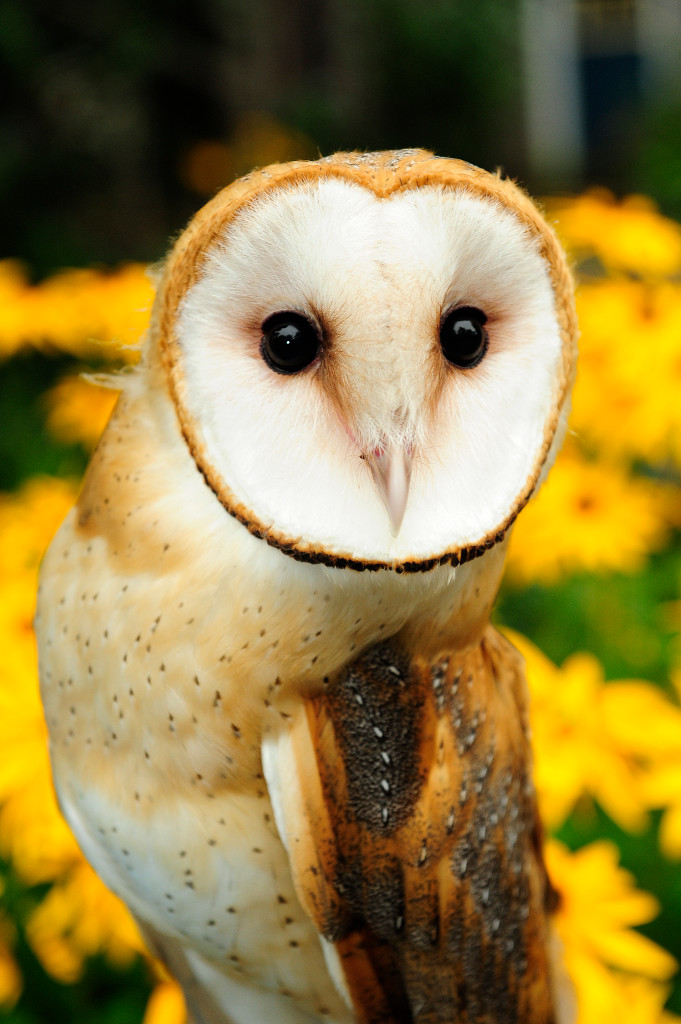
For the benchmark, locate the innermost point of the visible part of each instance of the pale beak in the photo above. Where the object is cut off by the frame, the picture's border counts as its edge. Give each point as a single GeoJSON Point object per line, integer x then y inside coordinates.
{"type": "Point", "coordinates": [391, 468]}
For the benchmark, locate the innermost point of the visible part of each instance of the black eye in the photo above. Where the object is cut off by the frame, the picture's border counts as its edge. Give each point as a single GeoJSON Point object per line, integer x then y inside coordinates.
{"type": "Point", "coordinates": [289, 342]}
{"type": "Point", "coordinates": [463, 336]}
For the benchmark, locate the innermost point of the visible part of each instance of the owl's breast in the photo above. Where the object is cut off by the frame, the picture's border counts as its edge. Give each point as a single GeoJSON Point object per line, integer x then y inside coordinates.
{"type": "Point", "coordinates": [156, 685]}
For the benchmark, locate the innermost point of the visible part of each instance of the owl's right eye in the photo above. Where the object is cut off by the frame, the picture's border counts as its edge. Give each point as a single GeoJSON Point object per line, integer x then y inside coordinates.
{"type": "Point", "coordinates": [290, 342]}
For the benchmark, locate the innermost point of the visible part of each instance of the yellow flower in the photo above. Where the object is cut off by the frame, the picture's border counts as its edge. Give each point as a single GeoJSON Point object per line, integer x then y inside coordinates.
{"type": "Point", "coordinates": [79, 409]}
{"type": "Point", "coordinates": [662, 785]}
{"type": "Point", "coordinates": [625, 400]}
{"type": "Point", "coordinates": [588, 517]}
{"type": "Point", "coordinates": [91, 313]}
{"type": "Point", "coordinates": [618, 974]}
{"type": "Point", "coordinates": [592, 738]}
{"type": "Point", "coordinates": [29, 520]}
{"type": "Point", "coordinates": [619, 742]}
{"type": "Point", "coordinates": [78, 918]}
{"type": "Point", "coordinates": [33, 833]}
{"type": "Point", "coordinates": [166, 1004]}
{"type": "Point", "coordinates": [629, 234]}
{"type": "Point", "coordinates": [642, 720]}
{"type": "Point", "coordinates": [15, 328]}
{"type": "Point", "coordinates": [32, 830]}
{"type": "Point", "coordinates": [10, 975]}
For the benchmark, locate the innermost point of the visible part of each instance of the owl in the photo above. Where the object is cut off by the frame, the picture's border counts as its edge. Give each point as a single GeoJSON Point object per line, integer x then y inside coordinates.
{"type": "Point", "coordinates": [281, 725]}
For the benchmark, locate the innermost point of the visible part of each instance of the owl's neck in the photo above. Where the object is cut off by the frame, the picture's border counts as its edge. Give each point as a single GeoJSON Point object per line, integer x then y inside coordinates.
{"type": "Point", "coordinates": [308, 620]}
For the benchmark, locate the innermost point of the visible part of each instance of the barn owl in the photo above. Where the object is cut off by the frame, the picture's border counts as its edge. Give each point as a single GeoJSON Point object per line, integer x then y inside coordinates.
{"type": "Point", "coordinates": [282, 727]}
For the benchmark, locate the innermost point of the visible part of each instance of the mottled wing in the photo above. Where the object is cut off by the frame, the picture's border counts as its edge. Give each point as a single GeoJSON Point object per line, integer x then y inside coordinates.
{"type": "Point", "coordinates": [405, 800]}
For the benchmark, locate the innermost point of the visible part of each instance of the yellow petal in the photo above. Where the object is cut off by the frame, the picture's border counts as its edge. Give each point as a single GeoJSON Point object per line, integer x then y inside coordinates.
{"type": "Point", "coordinates": [166, 1005]}
{"type": "Point", "coordinates": [631, 951]}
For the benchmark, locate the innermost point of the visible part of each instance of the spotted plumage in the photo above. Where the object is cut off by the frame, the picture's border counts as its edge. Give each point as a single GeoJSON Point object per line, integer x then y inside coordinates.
{"type": "Point", "coordinates": [282, 728]}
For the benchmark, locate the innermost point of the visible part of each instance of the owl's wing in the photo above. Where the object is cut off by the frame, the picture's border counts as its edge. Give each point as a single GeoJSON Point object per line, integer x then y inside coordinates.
{"type": "Point", "coordinates": [404, 798]}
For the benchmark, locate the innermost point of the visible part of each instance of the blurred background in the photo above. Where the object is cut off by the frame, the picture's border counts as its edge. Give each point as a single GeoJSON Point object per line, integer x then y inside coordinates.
{"type": "Point", "coordinates": [117, 121]}
{"type": "Point", "coordinates": [119, 118]}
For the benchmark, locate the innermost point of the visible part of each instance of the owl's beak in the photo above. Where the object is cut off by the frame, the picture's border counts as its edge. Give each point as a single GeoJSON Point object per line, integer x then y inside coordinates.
{"type": "Point", "coordinates": [391, 469]}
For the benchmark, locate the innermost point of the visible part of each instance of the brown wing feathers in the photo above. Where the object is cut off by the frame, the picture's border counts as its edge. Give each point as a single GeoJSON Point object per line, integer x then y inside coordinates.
{"type": "Point", "coordinates": [421, 857]}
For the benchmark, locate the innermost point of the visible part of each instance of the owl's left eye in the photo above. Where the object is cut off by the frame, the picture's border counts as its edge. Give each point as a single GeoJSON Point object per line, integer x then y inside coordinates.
{"type": "Point", "coordinates": [290, 342]}
{"type": "Point", "coordinates": [463, 337]}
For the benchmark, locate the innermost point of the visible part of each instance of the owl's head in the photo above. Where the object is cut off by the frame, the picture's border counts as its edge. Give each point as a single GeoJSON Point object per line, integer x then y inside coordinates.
{"type": "Point", "coordinates": [370, 355]}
